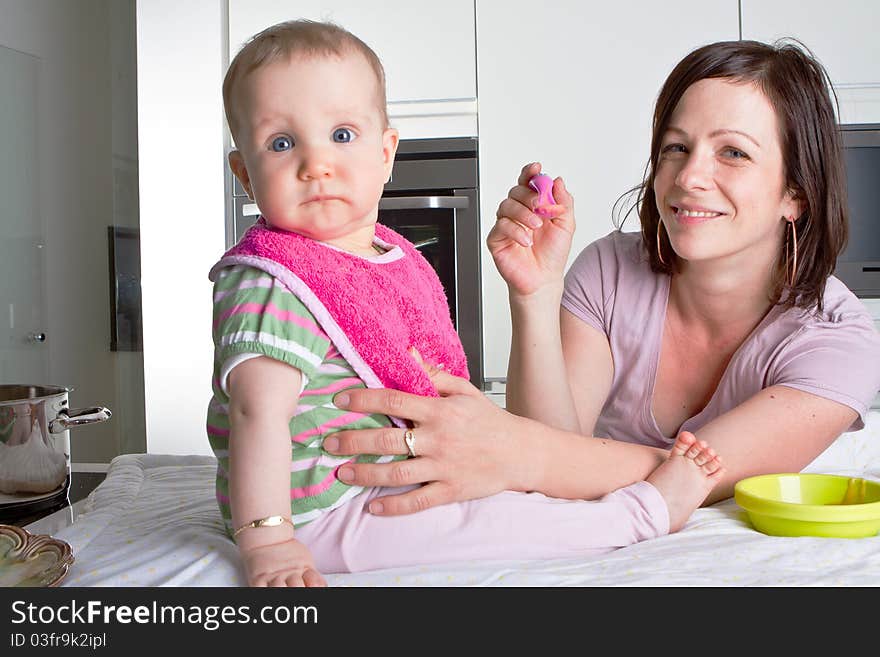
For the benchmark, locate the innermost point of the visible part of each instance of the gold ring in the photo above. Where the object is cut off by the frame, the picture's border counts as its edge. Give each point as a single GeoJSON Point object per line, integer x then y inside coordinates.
{"type": "Point", "coordinates": [410, 439]}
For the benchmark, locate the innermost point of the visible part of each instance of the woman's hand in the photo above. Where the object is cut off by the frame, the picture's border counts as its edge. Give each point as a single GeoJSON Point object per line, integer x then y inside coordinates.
{"type": "Point", "coordinates": [465, 445]}
{"type": "Point", "coordinates": [288, 563]}
{"type": "Point", "coordinates": [530, 251]}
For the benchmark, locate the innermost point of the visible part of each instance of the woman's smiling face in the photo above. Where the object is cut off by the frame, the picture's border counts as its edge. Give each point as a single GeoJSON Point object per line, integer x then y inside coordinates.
{"type": "Point", "coordinates": [720, 181]}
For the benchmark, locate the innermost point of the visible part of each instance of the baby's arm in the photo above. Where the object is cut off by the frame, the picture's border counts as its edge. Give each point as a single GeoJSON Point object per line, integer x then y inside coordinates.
{"type": "Point", "coordinates": [263, 395]}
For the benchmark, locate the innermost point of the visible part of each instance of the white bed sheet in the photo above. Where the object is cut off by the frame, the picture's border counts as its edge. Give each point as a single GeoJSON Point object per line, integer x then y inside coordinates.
{"type": "Point", "coordinates": [154, 522]}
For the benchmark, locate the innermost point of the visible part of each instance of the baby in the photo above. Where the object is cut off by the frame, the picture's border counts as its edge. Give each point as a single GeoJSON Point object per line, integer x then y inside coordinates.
{"type": "Point", "coordinates": [317, 297]}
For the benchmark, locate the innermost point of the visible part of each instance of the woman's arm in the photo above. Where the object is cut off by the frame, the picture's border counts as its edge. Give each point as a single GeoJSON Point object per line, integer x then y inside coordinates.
{"type": "Point", "coordinates": [780, 429]}
{"type": "Point", "coordinates": [547, 375]}
{"type": "Point", "coordinates": [467, 447]}
{"type": "Point", "coordinates": [537, 384]}
{"type": "Point", "coordinates": [530, 253]}
{"type": "Point", "coordinates": [590, 368]}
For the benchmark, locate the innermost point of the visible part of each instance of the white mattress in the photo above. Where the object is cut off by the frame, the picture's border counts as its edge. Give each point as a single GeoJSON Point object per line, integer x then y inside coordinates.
{"type": "Point", "coordinates": [154, 522]}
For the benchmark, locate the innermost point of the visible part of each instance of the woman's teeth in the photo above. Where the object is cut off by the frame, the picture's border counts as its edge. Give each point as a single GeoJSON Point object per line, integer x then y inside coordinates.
{"type": "Point", "coordinates": [691, 213]}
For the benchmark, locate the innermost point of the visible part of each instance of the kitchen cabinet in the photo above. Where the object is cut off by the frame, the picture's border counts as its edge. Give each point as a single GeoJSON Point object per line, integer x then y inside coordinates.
{"type": "Point", "coordinates": [843, 37]}
{"type": "Point", "coordinates": [572, 85]}
{"type": "Point", "coordinates": [427, 49]}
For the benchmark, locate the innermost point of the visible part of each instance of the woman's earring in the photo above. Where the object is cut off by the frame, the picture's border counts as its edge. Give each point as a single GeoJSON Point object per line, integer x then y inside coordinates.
{"type": "Point", "coordinates": [659, 248]}
{"type": "Point", "coordinates": [793, 277]}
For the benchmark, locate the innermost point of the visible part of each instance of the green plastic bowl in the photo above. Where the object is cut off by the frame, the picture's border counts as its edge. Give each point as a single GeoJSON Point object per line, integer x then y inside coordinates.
{"type": "Point", "coordinates": [811, 505]}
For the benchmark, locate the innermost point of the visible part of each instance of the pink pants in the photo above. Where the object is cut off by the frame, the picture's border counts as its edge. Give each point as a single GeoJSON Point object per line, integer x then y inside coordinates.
{"type": "Point", "coordinates": [504, 526]}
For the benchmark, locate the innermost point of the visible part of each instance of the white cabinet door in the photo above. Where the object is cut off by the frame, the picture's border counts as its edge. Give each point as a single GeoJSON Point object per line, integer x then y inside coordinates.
{"type": "Point", "coordinates": [572, 85]}
{"type": "Point", "coordinates": [426, 47]}
{"type": "Point", "coordinates": [842, 35]}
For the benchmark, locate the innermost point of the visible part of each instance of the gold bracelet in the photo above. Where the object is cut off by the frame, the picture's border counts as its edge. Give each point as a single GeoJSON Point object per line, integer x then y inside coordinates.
{"type": "Point", "coordinates": [270, 521]}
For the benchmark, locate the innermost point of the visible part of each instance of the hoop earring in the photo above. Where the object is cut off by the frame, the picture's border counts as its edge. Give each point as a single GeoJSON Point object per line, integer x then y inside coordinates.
{"type": "Point", "coordinates": [659, 249]}
{"type": "Point", "coordinates": [793, 276]}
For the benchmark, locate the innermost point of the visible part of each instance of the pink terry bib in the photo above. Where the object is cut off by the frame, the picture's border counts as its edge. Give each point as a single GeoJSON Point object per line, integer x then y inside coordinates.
{"type": "Point", "coordinates": [372, 309]}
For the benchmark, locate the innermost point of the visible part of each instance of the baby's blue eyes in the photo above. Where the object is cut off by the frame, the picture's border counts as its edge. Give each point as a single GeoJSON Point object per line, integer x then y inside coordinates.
{"type": "Point", "coordinates": [280, 144]}
{"type": "Point", "coordinates": [285, 143]}
{"type": "Point", "coordinates": [343, 135]}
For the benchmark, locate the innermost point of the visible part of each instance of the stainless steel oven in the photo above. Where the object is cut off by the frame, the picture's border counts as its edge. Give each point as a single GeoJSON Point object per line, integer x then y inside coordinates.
{"type": "Point", "coordinates": [433, 200]}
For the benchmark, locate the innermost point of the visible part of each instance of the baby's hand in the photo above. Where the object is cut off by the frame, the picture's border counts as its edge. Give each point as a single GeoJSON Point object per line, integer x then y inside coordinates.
{"type": "Point", "coordinates": [288, 563]}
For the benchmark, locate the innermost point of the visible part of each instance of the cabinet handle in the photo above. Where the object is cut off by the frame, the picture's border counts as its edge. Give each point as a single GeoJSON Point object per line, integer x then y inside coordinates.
{"type": "Point", "coordinates": [431, 241]}
{"type": "Point", "coordinates": [249, 210]}
{"type": "Point", "coordinates": [424, 202]}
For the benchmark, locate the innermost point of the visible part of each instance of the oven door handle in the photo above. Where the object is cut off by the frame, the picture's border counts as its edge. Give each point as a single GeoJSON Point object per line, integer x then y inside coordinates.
{"type": "Point", "coordinates": [424, 202]}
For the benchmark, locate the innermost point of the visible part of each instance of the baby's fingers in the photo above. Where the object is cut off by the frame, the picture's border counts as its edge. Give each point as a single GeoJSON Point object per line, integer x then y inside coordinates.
{"type": "Point", "coordinates": [277, 580]}
{"type": "Point", "coordinates": [312, 578]}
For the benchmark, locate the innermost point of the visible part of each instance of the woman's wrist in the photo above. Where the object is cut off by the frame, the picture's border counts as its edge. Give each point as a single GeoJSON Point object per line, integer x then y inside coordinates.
{"type": "Point", "coordinates": [535, 316]}
{"type": "Point", "coordinates": [546, 296]}
{"type": "Point", "coordinates": [523, 476]}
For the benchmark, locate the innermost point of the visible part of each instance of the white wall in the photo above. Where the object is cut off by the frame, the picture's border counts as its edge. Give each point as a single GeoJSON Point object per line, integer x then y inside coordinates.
{"type": "Point", "coordinates": [579, 99]}
{"type": "Point", "coordinates": [75, 148]}
{"type": "Point", "coordinates": [180, 127]}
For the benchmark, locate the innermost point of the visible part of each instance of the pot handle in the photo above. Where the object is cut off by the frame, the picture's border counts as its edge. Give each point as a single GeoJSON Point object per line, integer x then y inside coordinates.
{"type": "Point", "coordinates": [76, 417]}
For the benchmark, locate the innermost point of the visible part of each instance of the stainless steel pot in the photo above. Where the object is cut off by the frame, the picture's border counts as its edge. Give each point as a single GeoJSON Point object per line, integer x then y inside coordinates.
{"type": "Point", "coordinates": [35, 441]}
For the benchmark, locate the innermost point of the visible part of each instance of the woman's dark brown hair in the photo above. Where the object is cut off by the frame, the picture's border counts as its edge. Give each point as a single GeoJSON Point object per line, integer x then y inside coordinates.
{"type": "Point", "coordinates": [797, 86]}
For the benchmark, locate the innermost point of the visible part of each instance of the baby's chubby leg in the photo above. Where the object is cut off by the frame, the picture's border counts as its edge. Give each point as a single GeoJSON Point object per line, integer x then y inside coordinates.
{"type": "Point", "coordinates": [504, 526]}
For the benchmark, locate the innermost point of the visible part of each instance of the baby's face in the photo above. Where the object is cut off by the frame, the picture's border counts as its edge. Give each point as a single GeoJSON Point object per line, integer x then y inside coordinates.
{"type": "Point", "coordinates": [314, 151]}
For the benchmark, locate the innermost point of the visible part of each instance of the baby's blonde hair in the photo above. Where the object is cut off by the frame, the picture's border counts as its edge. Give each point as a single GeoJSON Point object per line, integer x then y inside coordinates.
{"type": "Point", "coordinates": [297, 37]}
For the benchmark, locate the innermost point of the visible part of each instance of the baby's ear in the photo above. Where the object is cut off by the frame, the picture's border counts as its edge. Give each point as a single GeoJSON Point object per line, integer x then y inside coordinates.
{"type": "Point", "coordinates": [236, 163]}
{"type": "Point", "coordinates": [390, 139]}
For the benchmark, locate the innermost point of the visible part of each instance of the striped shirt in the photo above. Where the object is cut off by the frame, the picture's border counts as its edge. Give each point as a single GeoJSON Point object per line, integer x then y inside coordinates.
{"type": "Point", "coordinates": [256, 315]}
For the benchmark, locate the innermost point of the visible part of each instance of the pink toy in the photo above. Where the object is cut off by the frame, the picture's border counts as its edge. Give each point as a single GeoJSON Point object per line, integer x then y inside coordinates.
{"type": "Point", "coordinates": [543, 184]}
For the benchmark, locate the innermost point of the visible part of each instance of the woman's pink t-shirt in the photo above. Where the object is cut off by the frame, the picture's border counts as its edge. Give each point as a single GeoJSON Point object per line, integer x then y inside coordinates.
{"type": "Point", "coordinates": [834, 354]}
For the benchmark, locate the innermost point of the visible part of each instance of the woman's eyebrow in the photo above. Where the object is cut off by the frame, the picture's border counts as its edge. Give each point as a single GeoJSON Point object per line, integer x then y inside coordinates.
{"type": "Point", "coordinates": [718, 133]}
{"type": "Point", "coordinates": [726, 131]}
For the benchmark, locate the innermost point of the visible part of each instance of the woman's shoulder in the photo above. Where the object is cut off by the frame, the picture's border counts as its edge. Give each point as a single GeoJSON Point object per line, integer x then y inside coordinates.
{"type": "Point", "coordinates": [611, 272]}
{"type": "Point", "coordinates": [833, 352]}
{"type": "Point", "coordinates": [843, 323]}
{"type": "Point", "coordinates": [839, 301]}
{"type": "Point", "coordinates": [615, 252]}
{"type": "Point", "coordinates": [840, 307]}
{"type": "Point", "coordinates": [619, 243]}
